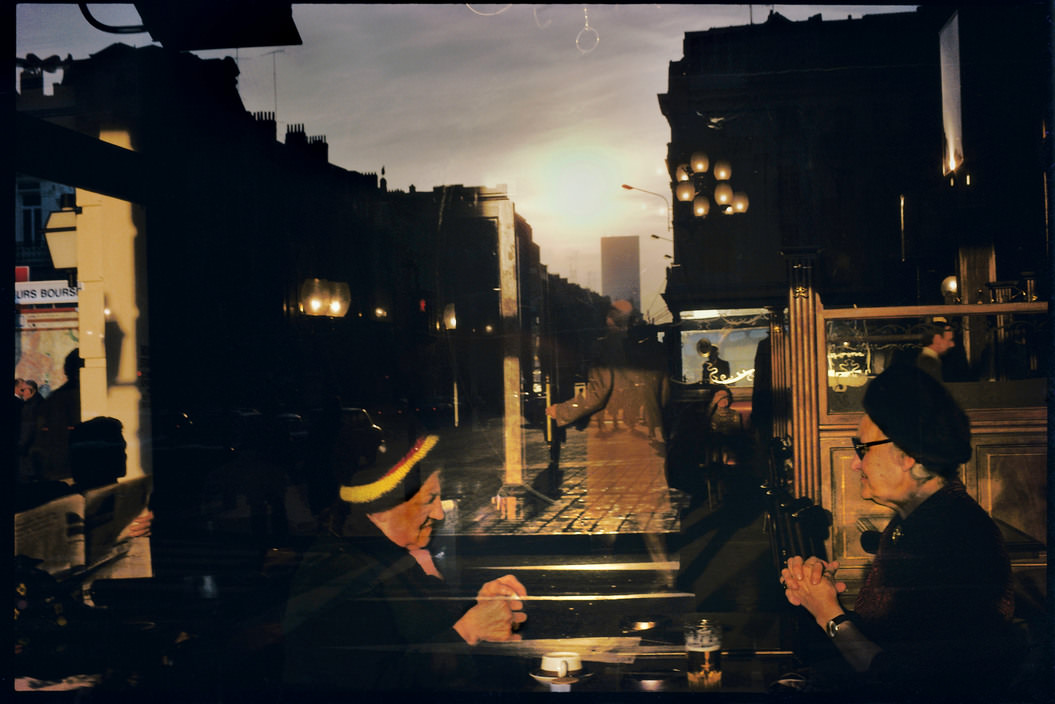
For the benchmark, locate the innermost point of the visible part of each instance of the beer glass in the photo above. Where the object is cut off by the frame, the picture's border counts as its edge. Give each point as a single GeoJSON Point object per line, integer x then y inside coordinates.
{"type": "Point", "coordinates": [703, 648]}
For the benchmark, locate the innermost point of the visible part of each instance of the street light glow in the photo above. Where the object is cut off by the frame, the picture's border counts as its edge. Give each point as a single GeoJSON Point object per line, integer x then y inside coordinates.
{"type": "Point", "coordinates": [666, 202]}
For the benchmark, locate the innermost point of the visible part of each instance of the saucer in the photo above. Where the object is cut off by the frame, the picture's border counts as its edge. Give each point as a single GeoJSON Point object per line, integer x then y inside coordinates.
{"type": "Point", "coordinates": [550, 679]}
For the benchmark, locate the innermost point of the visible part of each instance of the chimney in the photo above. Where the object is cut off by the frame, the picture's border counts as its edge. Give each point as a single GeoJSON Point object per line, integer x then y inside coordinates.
{"type": "Point", "coordinates": [314, 147]}
{"type": "Point", "coordinates": [295, 136]}
{"type": "Point", "coordinates": [318, 147]}
{"type": "Point", "coordinates": [31, 80]}
{"type": "Point", "coordinates": [266, 124]}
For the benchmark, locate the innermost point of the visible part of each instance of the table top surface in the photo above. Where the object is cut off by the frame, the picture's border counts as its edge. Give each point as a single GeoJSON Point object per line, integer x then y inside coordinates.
{"type": "Point", "coordinates": [642, 654]}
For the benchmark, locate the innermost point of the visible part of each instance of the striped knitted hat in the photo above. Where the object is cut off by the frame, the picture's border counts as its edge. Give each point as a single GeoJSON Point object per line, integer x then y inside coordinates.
{"type": "Point", "coordinates": [386, 484]}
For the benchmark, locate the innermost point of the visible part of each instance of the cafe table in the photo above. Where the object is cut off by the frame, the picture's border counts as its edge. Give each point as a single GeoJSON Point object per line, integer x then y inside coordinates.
{"type": "Point", "coordinates": [645, 655]}
{"type": "Point", "coordinates": [627, 665]}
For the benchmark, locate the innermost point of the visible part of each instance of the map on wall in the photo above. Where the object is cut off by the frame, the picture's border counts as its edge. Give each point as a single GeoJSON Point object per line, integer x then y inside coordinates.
{"type": "Point", "coordinates": [40, 353]}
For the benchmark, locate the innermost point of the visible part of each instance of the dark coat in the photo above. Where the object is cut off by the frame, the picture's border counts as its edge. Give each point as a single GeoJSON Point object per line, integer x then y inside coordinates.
{"type": "Point", "coordinates": [930, 364]}
{"type": "Point", "coordinates": [363, 614]}
{"type": "Point", "coordinates": [938, 600]}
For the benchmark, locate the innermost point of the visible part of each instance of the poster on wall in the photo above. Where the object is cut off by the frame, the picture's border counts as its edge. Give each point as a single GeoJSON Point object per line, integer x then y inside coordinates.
{"type": "Point", "coordinates": [43, 339]}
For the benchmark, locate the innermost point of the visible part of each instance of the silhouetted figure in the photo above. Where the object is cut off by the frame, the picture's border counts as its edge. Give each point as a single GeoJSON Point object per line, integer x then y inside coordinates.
{"type": "Point", "coordinates": [17, 405]}
{"type": "Point", "coordinates": [762, 393]}
{"type": "Point", "coordinates": [714, 367]}
{"type": "Point", "coordinates": [687, 454]}
{"type": "Point", "coordinates": [615, 381]}
{"type": "Point", "coordinates": [97, 453]}
{"type": "Point", "coordinates": [651, 390]}
{"type": "Point", "coordinates": [97, 458]}
{"type": "Point", "coordinates": [32, 402]}
{"type": "Point", "coordinates": [58, 414]}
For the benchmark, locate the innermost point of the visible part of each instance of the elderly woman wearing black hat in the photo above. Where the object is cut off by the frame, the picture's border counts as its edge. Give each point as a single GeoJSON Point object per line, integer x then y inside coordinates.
{"type": "Point", "coordinates": [932, 618]}
{"type": "Point", "coordinates": [369, 609]}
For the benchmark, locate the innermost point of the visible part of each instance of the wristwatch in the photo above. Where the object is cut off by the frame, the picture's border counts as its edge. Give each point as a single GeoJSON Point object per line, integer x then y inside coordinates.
{"type": "Point", "coordinates": [833, 625]}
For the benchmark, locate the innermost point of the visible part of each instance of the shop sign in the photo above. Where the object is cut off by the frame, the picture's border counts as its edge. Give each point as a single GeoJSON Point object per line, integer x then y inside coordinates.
{"type": "Point", "coordinates": [28, 293]}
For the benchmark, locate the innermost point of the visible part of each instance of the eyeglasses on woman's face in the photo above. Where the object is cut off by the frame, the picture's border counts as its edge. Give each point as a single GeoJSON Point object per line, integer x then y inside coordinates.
{"type": "Point", "coordinates": [861, 448]}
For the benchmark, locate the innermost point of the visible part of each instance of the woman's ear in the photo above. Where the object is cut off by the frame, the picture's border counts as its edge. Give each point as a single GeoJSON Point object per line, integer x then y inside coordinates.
{"type": "Point", "coordinates": [904, 460]}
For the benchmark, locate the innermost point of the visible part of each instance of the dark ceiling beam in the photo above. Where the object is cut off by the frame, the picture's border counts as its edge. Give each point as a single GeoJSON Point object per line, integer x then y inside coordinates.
{"type": "Point", "coordinates": [55, 153]}
{"type": "Point", "coordinates": [192, 25]}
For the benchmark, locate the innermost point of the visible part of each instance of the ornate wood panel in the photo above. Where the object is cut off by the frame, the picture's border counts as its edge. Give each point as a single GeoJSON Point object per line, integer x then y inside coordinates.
{"type": "Point", "coordinates": [1010, 475]}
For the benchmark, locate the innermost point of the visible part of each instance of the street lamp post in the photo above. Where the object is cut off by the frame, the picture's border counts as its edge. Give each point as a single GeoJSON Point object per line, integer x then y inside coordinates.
{"type": "Point", "coordinates": [670, 223]}
{"type": "Point", "coordinates": [670, 227]}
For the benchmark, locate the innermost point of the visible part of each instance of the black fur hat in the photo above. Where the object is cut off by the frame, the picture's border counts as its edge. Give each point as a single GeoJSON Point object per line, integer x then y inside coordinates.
{"type": "Point", "coordinates": [922, 418]}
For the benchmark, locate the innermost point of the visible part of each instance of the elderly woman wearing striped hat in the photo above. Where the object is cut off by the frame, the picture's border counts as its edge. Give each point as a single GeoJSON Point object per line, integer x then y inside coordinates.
{"type": "Point", "coordinates": [369, 608]}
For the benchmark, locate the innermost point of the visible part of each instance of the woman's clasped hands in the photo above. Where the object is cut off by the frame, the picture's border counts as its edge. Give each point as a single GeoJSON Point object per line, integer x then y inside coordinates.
{"type": "Point", "coordinates": [810, 583]}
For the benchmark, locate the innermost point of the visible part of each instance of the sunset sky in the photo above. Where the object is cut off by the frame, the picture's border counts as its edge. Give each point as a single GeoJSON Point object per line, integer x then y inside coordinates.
{"type": "Point", "coordinates": [557, 102]}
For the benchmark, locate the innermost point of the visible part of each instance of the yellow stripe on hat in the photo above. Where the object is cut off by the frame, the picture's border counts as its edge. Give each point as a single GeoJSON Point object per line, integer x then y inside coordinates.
{"type": "Point", "coordinates": [392, 478]}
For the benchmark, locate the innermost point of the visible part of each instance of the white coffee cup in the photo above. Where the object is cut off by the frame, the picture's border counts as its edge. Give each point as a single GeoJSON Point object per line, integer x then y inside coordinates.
{"type": "Point", "coordinates": [561, 664]}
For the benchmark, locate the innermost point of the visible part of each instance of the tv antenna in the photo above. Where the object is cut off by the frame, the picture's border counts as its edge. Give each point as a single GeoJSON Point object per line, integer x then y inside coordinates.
{"type": "Point", "coordinates": [274, 75]}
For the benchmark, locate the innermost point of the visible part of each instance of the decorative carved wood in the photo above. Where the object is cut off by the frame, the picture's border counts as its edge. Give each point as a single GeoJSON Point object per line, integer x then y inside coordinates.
{"type": "Point", "coordinates": [778, 356]}
{"type": "Point", "coordinates": [803, 370]}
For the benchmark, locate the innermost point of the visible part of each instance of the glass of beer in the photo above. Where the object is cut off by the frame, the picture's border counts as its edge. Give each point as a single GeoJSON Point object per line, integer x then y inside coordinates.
{"type": "Point", "coordinates": [703, 647]}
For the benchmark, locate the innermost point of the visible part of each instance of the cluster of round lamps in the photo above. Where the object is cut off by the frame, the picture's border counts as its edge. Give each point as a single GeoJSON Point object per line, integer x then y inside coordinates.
{"type": "Point", "coordinates": [690, 187]}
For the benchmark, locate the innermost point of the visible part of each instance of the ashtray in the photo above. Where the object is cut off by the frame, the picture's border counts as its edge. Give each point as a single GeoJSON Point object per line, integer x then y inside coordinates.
{"type": "Point", "coordinates": [642, 624]}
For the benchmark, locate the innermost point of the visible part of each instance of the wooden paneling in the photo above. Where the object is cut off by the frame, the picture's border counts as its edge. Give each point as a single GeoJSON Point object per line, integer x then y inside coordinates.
{"type": "Point", "coordinates": [1011, 481]}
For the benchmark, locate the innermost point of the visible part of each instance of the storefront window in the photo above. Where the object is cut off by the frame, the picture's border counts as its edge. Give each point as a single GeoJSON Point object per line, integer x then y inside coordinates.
{"type": "Point", "coordinates": [988, 360]}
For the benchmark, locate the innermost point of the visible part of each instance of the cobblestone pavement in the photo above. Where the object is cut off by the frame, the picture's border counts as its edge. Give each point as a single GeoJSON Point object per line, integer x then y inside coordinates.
{"type": "Point", "coordinates": [612, 482]}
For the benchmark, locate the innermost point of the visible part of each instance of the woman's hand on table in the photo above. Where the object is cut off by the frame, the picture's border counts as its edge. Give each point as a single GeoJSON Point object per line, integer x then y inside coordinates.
{"type": "Point", "coordinates": [497, 614]}
{"type": "Point", "coordinates": [140, 525]}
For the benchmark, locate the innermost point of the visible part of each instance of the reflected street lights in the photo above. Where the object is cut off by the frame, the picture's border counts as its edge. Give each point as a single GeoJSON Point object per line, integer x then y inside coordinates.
{"type": "Point", "coordinates": [670, 227]}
